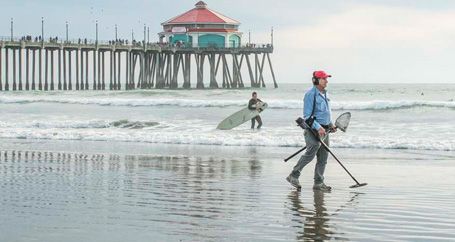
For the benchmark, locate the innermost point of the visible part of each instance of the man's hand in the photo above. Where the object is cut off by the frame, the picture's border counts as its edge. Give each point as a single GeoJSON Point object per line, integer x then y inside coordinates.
{"type": "Point", "coordinates": [321, 132]}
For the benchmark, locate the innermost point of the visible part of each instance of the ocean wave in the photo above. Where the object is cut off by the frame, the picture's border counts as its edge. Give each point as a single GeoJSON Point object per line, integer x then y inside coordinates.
{"type": "Point", "coordinates": [273, 103]}
{"type": "Point", "coordinates": [125, 123]}
{"type": "Point", "coordinates": [387, 105]}
{"type": "Point", "coordinates": [89, 124]}
{"type": "Point", "coordinates": [210, 136]}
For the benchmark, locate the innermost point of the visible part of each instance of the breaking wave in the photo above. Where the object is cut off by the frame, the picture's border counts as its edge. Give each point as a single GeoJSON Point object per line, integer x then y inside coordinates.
{"type": "Point", "coordinates": [161, 133]}
{"type": "Point", "coordinates": [90, 124]}
{"type": "Point", "coordinates": [273, 104]}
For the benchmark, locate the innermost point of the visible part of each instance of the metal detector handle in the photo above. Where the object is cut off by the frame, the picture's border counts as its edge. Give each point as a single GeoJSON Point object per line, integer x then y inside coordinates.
{"type": "Point", "coordinates": [303, 125]}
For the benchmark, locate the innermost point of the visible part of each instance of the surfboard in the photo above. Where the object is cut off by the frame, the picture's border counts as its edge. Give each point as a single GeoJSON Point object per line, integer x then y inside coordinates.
{"type": "Point", "coordinates": [241, 117]}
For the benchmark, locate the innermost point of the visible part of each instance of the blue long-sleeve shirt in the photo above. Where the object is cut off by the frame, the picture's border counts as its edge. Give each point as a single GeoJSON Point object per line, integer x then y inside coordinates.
{"type": "Point", "coordinates": [322, 108]}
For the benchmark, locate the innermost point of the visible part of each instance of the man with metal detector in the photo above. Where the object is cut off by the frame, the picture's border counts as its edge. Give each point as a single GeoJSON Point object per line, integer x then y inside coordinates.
{"type": "Point", "coordinates": [317, 115]}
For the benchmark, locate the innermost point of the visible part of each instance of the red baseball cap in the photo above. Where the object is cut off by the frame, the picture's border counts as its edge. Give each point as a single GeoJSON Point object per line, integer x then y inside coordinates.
{"type": "Point", "coordinates": [321, 74]}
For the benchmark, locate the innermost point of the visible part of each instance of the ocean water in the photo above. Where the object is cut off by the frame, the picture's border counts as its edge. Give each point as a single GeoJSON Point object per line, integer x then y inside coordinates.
{"type": "Point", "coordinates": [150, 166]}
{"type": "Point", "coordinates": [384, 116]}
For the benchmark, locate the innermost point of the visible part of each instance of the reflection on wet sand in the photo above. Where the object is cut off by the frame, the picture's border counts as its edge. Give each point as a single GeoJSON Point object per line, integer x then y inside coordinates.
{"type": "Point", "coordinates": [219, 197]}
{"type": "Point", "coordinates": [316, 221]}
{"type": "Point", "coordinates": [255, 164]}
{"type": "Point", "coordinates": [179, 195]}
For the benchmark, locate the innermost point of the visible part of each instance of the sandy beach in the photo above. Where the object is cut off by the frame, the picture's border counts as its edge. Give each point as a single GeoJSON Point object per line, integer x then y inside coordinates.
{"type": "Point", "coordinates": [138, 121]}
{"type": "Point", "coordinates": [116, 191]}
{"type": "Point", "coordinates": [151, 166]}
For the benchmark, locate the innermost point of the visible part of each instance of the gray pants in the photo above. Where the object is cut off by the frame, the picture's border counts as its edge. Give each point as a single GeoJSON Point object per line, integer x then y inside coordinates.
{"type": "Point", "coordinates": [313, 148]}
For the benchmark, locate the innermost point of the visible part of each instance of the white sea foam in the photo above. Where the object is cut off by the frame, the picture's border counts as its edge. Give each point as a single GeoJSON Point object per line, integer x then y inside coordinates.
{"type": "Point", "coordinates": [273, 103]}
{"type": "Point", "coordinates": [384, 105]}
{"type": "Point", "coordinates": [190, 117]}
{"type": "Point", "coordinates": [82, 124]}
{"type": "Point", "coordinates": [203, 134]}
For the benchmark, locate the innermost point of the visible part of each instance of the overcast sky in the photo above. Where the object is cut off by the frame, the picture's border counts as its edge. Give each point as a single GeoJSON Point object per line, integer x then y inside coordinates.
{"type": "Point", "coordinates": [356, 41]}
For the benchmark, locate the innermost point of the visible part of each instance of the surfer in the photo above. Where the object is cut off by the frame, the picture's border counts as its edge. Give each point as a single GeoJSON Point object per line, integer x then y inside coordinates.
{"type": "Point", "coordinates": [249, 112]}
{"type": "Point", "coordinates": [253, 105]}
{"type": "Point", "coordinates": [317, 114]}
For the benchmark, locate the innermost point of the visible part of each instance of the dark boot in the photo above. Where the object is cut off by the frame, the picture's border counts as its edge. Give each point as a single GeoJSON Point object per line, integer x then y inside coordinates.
{"type": "Point", "coordinates": [293, 178]}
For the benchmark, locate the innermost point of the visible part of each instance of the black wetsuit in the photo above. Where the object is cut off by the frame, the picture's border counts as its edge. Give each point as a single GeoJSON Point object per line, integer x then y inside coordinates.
{"type": "Point", "coordinates": [252, 106]}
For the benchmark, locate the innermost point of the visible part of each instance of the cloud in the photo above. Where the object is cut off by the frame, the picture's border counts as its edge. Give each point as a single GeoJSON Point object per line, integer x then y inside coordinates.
{"type": "Point", "coordinates": [381, 41]}
{"type": "Point", "coordinates": [375, 26]}
{"type": "Point", "coordinates": [411, 41]}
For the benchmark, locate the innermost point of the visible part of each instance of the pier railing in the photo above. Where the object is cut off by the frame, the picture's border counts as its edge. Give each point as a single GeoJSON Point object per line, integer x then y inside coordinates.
{"type": "Point", "coordinates": [91, 43]}
{"type": "Point", "coordinates": [81, 64]}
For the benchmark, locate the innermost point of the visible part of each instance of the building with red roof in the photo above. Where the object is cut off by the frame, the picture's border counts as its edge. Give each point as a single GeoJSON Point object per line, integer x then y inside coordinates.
{"type": "Point", "coordinates": [202, 27]}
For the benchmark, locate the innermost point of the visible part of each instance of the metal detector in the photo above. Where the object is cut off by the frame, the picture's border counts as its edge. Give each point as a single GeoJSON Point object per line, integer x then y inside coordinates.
{"type": "Point", "coordinates": [303, 125]}
{"type": "Point", "coordinates": [341, 123]}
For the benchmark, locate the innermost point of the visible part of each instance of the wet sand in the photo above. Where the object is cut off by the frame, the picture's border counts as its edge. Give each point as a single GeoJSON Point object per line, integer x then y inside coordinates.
{"type": "Point", "coordinates": [105, 191]}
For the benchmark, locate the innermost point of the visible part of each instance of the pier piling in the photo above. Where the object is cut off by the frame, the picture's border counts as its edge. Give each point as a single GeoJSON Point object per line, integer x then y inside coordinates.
{"type": "Point", "coordinates": [139, 65]}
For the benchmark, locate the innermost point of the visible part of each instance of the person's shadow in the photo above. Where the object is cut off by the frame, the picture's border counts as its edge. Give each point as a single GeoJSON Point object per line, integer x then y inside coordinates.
{"type": "Point", "coordinates": [315, 222]}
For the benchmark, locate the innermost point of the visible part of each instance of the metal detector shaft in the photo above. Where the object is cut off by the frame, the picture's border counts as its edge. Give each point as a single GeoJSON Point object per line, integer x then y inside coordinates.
{"type": "Point", "coordinates": [290, 157]}
{"type": "Point", "coordinates": [341, 123]}
{"type": "Point", "coordinates": [339, 162]}
{"type": "Point", "coordinates": [302, 149]}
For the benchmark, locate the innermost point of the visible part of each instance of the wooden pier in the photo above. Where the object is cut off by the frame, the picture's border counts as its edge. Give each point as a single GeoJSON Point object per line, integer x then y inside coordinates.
{"type": "Point", "coordinates": [63, 65]}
